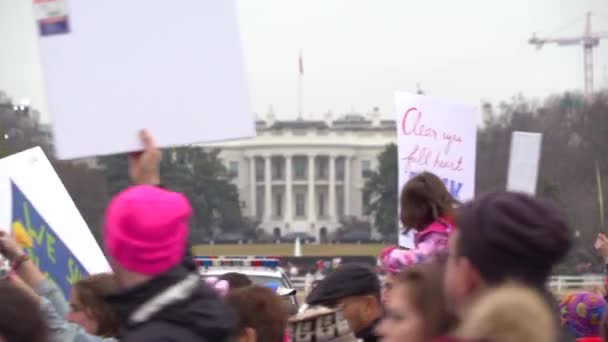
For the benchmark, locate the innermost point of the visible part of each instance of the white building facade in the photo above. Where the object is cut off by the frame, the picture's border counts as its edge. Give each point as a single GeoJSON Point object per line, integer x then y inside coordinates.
{"type": "Point", "coordinates": [304, 176]}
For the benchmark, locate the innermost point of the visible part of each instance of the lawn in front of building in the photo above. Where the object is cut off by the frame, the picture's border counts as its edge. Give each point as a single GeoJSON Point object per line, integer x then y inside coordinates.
{"type": "Point", "coordinates": [288, 249]}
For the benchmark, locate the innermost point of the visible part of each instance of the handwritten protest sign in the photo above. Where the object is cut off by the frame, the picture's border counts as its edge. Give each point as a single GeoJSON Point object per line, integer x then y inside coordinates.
{"type": "Point", "coordinates": [437, 136]}
{"type": "Point", "coordinates": [524, 161]}
{"type": "Point", "coordinates": [176, 70]}
{"type": "Point", "coordinates": [39, 213]}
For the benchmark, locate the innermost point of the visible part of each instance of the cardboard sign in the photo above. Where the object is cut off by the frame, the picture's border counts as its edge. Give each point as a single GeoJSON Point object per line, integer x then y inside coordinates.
{"type": "Point", "coordinates": [174, 68]}
{"type": "Point", "coordinates": [439, 137]}
{"type": "Point", "coordinates": [524, 161]}
{"type": "Point", "coordinates": [41, 216]}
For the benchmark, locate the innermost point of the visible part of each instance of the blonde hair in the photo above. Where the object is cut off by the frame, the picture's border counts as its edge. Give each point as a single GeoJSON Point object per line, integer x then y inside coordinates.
{"type": "Point", "coordinates": [510, 313]}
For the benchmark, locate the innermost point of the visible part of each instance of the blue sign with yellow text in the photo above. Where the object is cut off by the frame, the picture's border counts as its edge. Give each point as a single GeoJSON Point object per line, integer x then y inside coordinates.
{"type": "Point", "coordinates": [48, 251]}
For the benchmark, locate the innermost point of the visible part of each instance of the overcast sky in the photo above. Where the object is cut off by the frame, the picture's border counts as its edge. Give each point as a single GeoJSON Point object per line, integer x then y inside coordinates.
{"type": "Point", "coordinates": [356, 53]}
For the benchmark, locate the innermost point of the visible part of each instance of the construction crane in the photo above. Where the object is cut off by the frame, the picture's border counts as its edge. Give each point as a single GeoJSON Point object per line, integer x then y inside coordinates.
{"type": "Point", "coordinates": [588, 40]}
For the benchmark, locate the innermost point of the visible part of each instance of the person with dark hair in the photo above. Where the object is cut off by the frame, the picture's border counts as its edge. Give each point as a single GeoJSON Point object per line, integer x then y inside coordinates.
{"type": "Point", "coordinates": [20, 316]}
{"type": "Point", "coordinates": [262, 314]}
{"type": "Point", "coordinates": [356, 290]}
{"type": "Point", "coordinates": [416, 311]}
{"type": "Point", "coordinates": [426, 207]}
{"type": "Point", "coordinates": [504, 237]}
{"type": "Point", "coordinates": [236, 280]}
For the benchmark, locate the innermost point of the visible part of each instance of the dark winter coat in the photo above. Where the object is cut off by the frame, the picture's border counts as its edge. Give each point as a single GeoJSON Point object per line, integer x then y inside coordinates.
{"type": "Point", "coordinates": [175, 306]}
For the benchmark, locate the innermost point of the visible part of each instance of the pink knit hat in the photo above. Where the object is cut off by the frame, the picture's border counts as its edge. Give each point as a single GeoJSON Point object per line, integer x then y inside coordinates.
{"type": "Point", "coordinates": [146, 229]}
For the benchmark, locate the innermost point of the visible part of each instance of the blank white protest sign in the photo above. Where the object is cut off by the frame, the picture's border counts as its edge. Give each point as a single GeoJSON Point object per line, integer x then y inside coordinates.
{"type": "Point", "coordinates": [172, 67]}
{"type": "Point", "coordinates": [524, 161]}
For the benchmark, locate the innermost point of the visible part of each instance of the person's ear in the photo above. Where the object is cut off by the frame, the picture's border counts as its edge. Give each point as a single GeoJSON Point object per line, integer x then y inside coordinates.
{"type": "Point", "coordinates": [473, 280]}
{"type": "Point", "coordinates": [370, 303]}
{"type": "Point", "coordinates": [247, 335]}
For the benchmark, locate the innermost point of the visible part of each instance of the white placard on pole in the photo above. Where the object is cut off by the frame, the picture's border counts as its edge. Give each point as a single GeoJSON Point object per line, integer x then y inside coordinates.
{"type": "Point", "coordinates": [524, 162]}
{"type": "Point", "coordinates": [113, 67]}
{"type": "Point", "coordinates": [437, 136]}
{"type": "Point", "coordinates": [34, 202]}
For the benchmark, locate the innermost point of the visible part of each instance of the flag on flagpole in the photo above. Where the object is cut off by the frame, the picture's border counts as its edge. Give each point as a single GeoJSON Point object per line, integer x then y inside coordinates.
{"type": "Point", "coordinates": [301, 64]}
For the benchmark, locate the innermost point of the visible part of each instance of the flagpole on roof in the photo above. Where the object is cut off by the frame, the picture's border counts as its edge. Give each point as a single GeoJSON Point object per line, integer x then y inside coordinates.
{"type": "Point", "coordinates": [300, 74]}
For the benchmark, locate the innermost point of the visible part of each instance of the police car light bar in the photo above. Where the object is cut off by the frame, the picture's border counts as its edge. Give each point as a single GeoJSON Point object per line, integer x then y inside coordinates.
{"type": "Point", "coordinates": [235, 257]}
{"type": "Point", "coordinates": [235, 262]}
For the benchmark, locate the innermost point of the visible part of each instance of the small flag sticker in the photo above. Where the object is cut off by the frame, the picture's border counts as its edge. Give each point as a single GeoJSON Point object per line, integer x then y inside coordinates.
{"type": "Point", "coordinates": [52, 17]}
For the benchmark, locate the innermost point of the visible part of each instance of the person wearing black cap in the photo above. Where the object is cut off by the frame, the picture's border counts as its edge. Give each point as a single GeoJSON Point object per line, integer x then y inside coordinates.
{"type": "Point", "coordinates": [356, 289]}
{"type": "Point", "coordinates": [503, 237]}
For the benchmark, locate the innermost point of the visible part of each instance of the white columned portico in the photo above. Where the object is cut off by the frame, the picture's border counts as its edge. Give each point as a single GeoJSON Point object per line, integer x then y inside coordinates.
{"type": "Point", "coordinates": [288, 189]}
{"type": "Point", "coordinates": [347, 185]}
{"type": "Point", "coordinates": [267, 190]}
{"type": "Point", "coordinates": [332, 189]}
{"type": "Point", "coordinates": [252, 188]}
{"type": "Point", "coordinates": [312, 213]}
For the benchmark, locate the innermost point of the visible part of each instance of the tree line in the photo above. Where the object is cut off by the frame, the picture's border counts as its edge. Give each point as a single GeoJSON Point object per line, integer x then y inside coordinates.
{"type": "Point", "coordinates": [194, 171]}
{"type": "Point", "coordinates": [574, 147]}
{"type": "Point", "coordinates": [574, 153]}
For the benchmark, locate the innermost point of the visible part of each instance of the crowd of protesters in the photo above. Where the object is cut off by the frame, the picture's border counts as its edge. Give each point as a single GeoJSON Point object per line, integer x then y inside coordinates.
{"type": "Point", "coordinates": [478, 272]}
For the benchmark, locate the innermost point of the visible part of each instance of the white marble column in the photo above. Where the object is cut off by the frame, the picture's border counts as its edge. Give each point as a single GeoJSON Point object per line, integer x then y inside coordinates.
{"type": "Point", "coordinates": [332, 189]}
{"type": "Point", "coordinates": [347, 186]}
{"type": "Point", "coordinates": [312, 212]}
{"type": "Point", "coordinates": [252, 188]}
{"type": "Point", "coordinates": [268, 190]}
{"type": "Point", "coordinates": [288, 189]}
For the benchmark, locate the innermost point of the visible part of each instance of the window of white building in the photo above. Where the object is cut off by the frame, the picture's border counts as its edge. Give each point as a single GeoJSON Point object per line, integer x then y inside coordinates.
{"type": "Point", "coordinates": [259, 169]}
{"type": "Point", "coordinates": [366, 201]}
{"type": "Point", "coordinates": [366, 168]}
{"type": "Point", "coordinates": [233, 169]}
{"type": "Point", "coordinates": [277, 168]}
{"type": "Point", "coordinates": [340, 202]}
{"type": "Point", "coordinates": [278, 205]}
{"type": "Point", "coordinates": [259, 205]}
{"type": "Point", "coordinates": [321, 165]}
{"type": "Point", "coordinates": [321, 211]}
{"type": "Point", "coordinates": [340, 169]}
{"type": "Point", "coordinates": [300, 205]}
{"type": "Point", "coordinates": [299, 164]}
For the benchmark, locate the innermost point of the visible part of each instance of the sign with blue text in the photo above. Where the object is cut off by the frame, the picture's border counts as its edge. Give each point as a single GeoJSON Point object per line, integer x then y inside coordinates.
{"type": "Point", "coordinates": [437, 136]}
{"type": "Point", "coordinates": [38, 206]}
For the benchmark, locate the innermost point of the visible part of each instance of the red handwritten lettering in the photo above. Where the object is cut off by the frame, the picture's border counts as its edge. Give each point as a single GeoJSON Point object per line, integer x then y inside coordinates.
{"type": "Point", "coordinates": [451, 137]}
{"type": "Point", "coordinates": [454, 165]}
{"type": "Point", "coordinates": [414, 125]}
{"type": "Point", "coordinates": [419, 155]}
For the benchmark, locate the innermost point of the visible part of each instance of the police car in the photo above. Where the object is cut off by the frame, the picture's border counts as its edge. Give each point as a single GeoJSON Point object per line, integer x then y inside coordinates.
{"type": "Point", "coordinates": [262, 271]}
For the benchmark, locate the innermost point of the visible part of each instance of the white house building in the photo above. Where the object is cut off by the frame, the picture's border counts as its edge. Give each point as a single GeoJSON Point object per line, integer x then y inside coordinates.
{"type": "Point", "coordinates": [305, 175]}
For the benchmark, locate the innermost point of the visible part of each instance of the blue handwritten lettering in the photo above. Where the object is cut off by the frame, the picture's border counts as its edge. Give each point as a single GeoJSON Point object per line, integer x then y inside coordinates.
{"type": "Point", "coordinates": [454, 187]}
{"type": "Point", "coordinates": [48, 251]}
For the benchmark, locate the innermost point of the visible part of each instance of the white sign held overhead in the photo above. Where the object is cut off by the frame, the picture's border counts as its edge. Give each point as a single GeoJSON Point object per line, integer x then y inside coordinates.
{"type": "Point", "coordinates": [113, 69]}
{"type": "Point", "coordinates": [439, 137]}
{"type": "Point", "coordinates": [36, 206]}
{"type": "Point", "coordinates": [524, 162]}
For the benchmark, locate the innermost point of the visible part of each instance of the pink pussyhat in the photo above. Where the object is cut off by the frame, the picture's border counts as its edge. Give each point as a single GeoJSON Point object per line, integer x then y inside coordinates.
{"type": "Point", "coordinates": [146, 229]}
{"type": "Point", "coordinates": [221, 287]}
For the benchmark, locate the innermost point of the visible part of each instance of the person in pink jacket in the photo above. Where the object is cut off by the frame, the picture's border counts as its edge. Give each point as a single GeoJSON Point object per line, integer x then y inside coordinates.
{"type": "Point", "coordinates": [426, 208]}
